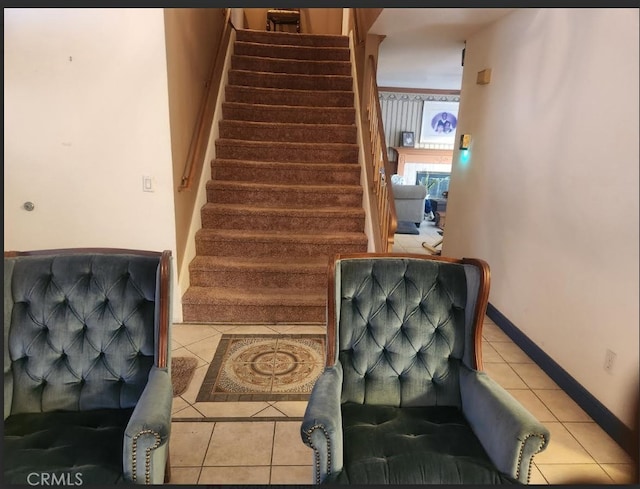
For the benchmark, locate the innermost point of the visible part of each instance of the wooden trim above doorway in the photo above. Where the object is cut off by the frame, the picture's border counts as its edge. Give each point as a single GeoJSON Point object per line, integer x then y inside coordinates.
{"type": "Point", "coordinates": [419, 155]}
{"type": "Point", "coordinates": [424, 91]}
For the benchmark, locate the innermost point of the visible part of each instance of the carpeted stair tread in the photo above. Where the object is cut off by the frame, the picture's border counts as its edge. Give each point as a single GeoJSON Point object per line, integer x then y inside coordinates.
{"type": "Point", "coordinates": [309, 220]}
{"type": "Point", "coordinates": [295, 81]}
{"type": "Point", "coordinates": [278, 173]}
{"type": "Point", "coordinates": [310, 212]}
{"type": "Point", "coordinates": [225, 304]}
{"type": "Point", "coordinates": [273, 172]}
{"type": "Point", "coordinates": [267, 187]}
{"type": "Point", "coordinates": [288, 114]}
{"type": "Point", "coordinates": [290, 97]}
{"type": "Point", "coordinates": [282, 236]}
{"type": "Point", "coordinates": [306, 264]}
{"type": "Point", "coordinates": [279, 195]}
{"type": "Point", "coordinates": [265, 297]}
{"type": "Point", "coordinates": [292, 39]}
{"type": "Point", "coordinates": [247, 48]}
{"type": "Point", "coordinates": [308, 273]}
{"type": "Point", "coordinates": [264, 131]}
{"type": "Point", "coordinates": [290, 66]}
{"type": "Point", "coordinates": [286, 152]}
{"type": "Point", "coordinates": [231, 242]}
{"type": "Point", "coordinates": [304, 220]}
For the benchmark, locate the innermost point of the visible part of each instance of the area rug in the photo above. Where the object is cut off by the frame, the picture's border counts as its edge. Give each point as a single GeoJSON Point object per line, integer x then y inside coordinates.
{"type": "Point", "coordinates": [182, 370]}
{"type": "Point", "coordinates": [263, 368]}
{"type": "Point", "coordinates": [407, 227]}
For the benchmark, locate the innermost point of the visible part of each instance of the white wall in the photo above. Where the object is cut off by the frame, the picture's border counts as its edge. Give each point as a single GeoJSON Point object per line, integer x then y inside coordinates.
{"type": "Point", "coordinates": [86, 116]}
{"type": "Point", "coordinates": [549, 194]}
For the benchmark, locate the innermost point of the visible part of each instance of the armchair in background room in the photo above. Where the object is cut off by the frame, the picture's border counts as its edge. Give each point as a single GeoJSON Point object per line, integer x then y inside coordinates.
{"type": "Point", "coordinates": [409, 202]}
{"type": "Point", "coordinates": [403, 399]}
{"type": "Point", "coordinates": [87, 385]}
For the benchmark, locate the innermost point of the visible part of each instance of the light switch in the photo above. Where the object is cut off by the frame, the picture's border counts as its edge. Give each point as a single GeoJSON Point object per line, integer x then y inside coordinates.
{"type": "Point", "coordinates": [147, 183]}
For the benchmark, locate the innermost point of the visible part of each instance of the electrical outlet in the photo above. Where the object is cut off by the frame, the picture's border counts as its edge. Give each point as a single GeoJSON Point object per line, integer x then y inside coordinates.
{"type": "Point", "coordinates": [147, 183]}
{"type": "Point", "coordinates": [609, 360]}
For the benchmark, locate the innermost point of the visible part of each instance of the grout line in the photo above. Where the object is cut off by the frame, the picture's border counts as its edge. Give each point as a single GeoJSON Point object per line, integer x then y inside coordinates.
{"type": "Point", "coordinates": [540, 472]}
{"type": "Point", "coordinates": [204, 457]}
{"type": "Point", "coordinates": [273, 449]}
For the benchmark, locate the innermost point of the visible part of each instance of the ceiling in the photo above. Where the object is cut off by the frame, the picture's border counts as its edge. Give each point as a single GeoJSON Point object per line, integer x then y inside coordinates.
{"type": "Point", "coordinates": [423, 46]}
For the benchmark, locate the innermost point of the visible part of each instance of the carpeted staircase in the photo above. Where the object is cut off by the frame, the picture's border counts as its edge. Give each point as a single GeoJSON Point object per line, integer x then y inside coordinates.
{"type": "Point", "coordinates": [285, 192]}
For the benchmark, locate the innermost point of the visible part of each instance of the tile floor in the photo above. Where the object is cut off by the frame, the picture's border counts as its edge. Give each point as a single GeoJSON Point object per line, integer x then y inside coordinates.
{"type": "Point", "coordinates": [259, 442]}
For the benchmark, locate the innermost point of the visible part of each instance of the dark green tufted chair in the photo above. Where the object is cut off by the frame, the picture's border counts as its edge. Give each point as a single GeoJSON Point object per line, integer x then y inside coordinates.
{"type": "Point", "coordinates": [403, 399]}
{"type": "Point", "coordinates": [87, 387]}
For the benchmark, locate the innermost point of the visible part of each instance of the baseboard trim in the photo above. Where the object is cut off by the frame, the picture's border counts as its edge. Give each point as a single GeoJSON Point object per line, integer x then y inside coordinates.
{"type": "Point", "coordinates": [615, 428]}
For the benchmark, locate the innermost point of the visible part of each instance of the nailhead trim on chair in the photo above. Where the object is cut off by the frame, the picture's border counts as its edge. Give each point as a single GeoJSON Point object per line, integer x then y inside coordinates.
{"type": "Point", "coordinates": [147, 458]}
{"type": "Point", "coordinates": [544, 443]}
{"type": "Point", "coordinates": [316, 452]}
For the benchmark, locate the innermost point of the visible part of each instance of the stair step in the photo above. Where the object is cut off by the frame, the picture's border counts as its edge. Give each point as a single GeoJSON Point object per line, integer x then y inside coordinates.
{"type": "Point", "coordinates": [311, 133]}
{"type": "Point", "coordinates": [285, 173]}
{"type": "Point", "coordinates": [212, 304]}
{"type": "Point", "coordinates": [277, 244]}
{"type": "Point", "coordinates": [273, 195]}
{"type": "Point", "coordinates": [264, 50]}
{"type": "Point", "coordinates": [296, 81]}
{"type": "Point", "coordinates": [298, 98]}
{"type": "Point", "coordinates": [288, 114]}
{"type": "Point", "coordinates": [285, 219]}
{"type": "Point", "coordinates": [236, 149]}
{"type": "Point", "coordinates": [290, 66]}
{"type": "Point", "coordinates": [292, 39]}
{"type": "Point", "coordinates": [264, 273]}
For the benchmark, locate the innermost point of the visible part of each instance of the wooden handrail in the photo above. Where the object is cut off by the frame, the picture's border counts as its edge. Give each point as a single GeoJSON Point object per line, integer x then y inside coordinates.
{"type": "Point", "coordinates": [200, 137]}
{"type": "Point", "coordinates": [381, 168]}
{"type": "Point", "coordinates": [377, 169]}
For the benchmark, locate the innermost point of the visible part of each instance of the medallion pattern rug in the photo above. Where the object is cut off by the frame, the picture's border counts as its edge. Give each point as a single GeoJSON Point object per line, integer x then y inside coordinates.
{"type": "Point", "coordinates": [263, 368]}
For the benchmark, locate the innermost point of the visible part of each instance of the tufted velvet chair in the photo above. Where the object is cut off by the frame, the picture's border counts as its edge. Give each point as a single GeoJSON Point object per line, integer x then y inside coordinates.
{"type": "Point", "coordinates": [87, 387]}
{"type": "Point", "coordinates": [403, 399]}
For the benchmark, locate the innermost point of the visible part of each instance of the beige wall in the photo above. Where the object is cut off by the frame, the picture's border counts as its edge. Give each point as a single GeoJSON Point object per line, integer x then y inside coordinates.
{"type": "Point", "coordinates": [192, 40]}
{"type": "Point", "coordinates": [549, 192]}
{"type": "Point", "coordinates": [312, 20]}
{"type": "Point", "coordinates": [86, 116]}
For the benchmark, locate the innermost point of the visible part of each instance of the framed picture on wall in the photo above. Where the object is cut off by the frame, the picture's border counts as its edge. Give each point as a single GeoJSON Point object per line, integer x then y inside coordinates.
{"type": "Point", "coordinates": [439, 122]}
{"type": "Point", "coordinates": [408, 139]}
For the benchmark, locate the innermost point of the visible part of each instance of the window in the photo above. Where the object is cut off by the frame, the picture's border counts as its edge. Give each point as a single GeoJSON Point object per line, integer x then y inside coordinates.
{"type": "Point", "coordinates": [436, 182]}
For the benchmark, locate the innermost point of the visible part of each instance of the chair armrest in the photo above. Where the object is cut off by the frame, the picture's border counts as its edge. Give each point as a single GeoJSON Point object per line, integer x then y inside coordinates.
{"type": "Point", "coordinates": [146, 436]}
{"type": "Point", "coordinates": [509, 433]}
{"type": "Point", "coordinates": [322, 423]}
